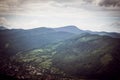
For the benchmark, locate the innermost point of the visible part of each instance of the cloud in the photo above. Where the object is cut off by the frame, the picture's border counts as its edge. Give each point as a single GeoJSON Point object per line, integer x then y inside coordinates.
{"type": "Point", "coordinates": [56, 7]}
{"type": "Point", "coordinates": [108, 3]}
{"type": "Point", "coordinates": [4, 22]}
{"type": "Point", "coordinates": [24, 6]}
{"type": "Point", "coordinates": [112, 27]}
{"type": "Point", "coordinates": [58, 12]}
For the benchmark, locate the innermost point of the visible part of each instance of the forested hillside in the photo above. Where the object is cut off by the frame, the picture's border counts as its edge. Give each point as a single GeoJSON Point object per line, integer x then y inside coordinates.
{"type": "Point", "coordinates": [58, 54]}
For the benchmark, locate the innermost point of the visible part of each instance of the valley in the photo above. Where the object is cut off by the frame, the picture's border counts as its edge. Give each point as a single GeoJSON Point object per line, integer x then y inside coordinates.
{"type": "Point", "coordinates": [66, 53]}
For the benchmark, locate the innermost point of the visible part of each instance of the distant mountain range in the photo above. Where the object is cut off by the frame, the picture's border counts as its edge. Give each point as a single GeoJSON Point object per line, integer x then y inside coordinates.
{"type": "Point", "coordinates": [71, 29]}
{"type": "Point", "coordinates": [19, 39]}
{"type": "Point", "coordinates": [65, 50]}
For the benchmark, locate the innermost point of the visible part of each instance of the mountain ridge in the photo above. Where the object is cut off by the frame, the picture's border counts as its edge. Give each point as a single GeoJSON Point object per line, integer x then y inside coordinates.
{"type": "Point", "coordinates": [40, 53]}
{"type": "Point", "coordinates": [71, 29]}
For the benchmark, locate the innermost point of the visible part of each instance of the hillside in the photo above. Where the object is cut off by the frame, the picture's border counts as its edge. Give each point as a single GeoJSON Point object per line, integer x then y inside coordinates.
{"type": "Point", "coordinates": [16, 40]}
{"type": "Point", "coordinates": [87, 56]}
{"type": "Point", "coordinates": [49, 54]}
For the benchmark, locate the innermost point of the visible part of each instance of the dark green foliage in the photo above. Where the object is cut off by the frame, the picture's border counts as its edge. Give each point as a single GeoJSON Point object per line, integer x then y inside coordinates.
{"type": "Point", "coordinates": [44, 53]}
{"type": "Point", "coordinates": [88, 55]}
{"type": "Point", "coordinates": [85, 55]}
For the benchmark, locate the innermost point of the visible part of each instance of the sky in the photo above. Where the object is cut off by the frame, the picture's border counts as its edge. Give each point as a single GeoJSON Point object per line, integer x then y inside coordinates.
{"type": "Point", "coordinates": [95, 15]}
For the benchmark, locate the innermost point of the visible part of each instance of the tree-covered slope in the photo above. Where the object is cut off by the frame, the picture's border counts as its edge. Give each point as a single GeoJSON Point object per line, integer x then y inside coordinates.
{"type": "Point", "coordinates": [89, 55]}
{"type": "Point", "coordinates": [82, 56]}
{"type": "Point", "coordinates": [44, 53]}
{"type": "Point", "coordinates": [13, 41]}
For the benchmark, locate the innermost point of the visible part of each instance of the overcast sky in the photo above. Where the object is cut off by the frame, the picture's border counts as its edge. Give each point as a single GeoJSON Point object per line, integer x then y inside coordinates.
{"type": "Point", "coordinates": [96, 15]}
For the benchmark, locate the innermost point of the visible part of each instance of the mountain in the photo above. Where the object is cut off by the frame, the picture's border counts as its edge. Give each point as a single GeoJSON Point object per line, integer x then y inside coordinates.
{"type": "Point", "coordinates": [59, 54]}
{"type": "Point", "coordinates": [86, 56]}
{"type": "Point", "coordinates": [41, 30]}
{"type": "Point", "coordinates": [71, 29]}
{"type": "Point", "coordinates": [16, 40]}
{"type": "Point", "coordinates": [111, 34]}
{"type": "Point", "coordinates": [75, 30]}
{"type": "Point", "coordinates": [89, 55]}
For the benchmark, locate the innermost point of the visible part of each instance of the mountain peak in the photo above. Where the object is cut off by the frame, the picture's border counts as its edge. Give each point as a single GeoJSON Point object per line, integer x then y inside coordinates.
{"type": "Point", "coordinates": [70, 28]}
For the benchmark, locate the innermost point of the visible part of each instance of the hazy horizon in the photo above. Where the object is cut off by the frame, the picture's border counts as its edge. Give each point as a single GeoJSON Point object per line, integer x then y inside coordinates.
{"type": "Point", "coordinates": [95, 15]}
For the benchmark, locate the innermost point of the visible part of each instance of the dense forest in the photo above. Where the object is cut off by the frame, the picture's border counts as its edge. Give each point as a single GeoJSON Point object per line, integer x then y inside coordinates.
{"type": "Point", "coordinates": [65, 53]}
